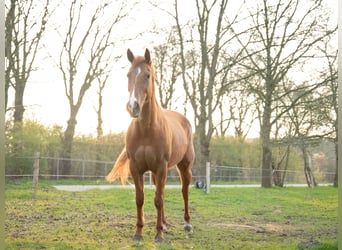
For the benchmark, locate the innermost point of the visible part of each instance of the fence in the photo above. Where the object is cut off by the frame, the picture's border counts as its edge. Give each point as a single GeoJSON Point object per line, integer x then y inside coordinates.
{"type": "Point", "coordinates": [50, 168]}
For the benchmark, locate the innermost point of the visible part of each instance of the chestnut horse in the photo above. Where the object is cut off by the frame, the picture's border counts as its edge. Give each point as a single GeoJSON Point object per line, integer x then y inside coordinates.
{"type": "Point", "coordinates": [156, 140]}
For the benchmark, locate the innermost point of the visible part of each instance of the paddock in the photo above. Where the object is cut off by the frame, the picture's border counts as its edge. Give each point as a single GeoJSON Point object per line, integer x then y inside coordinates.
{"type": "Point", "coordinates": [227, 218]}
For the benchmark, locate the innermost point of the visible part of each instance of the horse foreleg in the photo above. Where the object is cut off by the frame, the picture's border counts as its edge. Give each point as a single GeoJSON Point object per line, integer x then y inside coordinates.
{"type": "Point", "coordinates": [163, 214]}
{"type": "Point", "coordinates": [139, 199]}
{"type": "Point", "coordinates": [160, 181]}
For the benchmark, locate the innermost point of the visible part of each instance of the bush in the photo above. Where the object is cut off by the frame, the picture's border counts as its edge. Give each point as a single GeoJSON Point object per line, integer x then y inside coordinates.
{"type": "Point", "coordinates": [24, 139]}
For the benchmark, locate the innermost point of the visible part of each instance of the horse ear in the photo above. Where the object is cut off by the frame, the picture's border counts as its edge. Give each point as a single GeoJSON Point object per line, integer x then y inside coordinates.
{"type": "Point", "coordinates": [147, 57]}
{"type": "Point", "coordinates": [130, 55]}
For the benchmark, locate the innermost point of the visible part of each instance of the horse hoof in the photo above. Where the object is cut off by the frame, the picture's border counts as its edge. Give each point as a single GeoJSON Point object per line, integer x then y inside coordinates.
{"type": "Point", "coordinates": [159, 239]}
{"type": "Point", "coordinates": [137, 237]}
{"type": "Point", "coordinates": [188, 227]}
{"type": "Point", "coordinates": [165, 229]}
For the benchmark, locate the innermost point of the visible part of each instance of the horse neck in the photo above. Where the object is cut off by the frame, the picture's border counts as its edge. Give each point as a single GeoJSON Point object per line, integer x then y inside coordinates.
{"type": "Point", "coordinates": [151, 112]}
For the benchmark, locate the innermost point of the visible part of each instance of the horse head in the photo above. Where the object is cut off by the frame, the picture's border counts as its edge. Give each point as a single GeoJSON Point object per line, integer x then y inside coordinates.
{"type": "Point", "coordinates": [140, 82]}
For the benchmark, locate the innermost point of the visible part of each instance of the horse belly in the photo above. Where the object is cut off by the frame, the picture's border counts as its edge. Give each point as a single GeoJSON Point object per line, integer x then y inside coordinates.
{"type": "Point", "coordinates": [177, 155]}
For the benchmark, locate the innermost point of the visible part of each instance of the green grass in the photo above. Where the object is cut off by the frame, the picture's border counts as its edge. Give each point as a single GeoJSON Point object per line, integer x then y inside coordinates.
{"type": "Point", "coordinates": [235, 218]}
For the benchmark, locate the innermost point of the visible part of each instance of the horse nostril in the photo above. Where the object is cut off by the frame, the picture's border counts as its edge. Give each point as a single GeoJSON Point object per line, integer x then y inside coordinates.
{"type": "Point", "coordinates": [136, 108]}
{"type": "Point", "coordinates": [133, 108]}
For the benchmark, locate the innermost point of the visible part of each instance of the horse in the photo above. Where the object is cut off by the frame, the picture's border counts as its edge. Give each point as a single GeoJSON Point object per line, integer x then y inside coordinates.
{"type": "Point", "coordinates": [156, 141]}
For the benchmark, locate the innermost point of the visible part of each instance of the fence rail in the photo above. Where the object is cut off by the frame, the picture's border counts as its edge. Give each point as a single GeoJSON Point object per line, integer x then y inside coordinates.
{"type": "Point", "coordinates": [82, 169]}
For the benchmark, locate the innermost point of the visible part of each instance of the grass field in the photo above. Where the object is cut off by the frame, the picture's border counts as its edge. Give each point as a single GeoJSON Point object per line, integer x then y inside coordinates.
{"type": "Point", "coordinates": [235, 218]}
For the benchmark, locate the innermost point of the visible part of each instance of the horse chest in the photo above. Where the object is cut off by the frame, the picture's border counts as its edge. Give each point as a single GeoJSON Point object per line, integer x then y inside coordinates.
{"type": "Point", "coordinates": [147, 156]}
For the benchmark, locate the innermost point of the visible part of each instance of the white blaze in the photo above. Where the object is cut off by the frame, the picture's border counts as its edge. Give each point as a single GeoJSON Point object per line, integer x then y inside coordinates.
{"type": "Point", "coordinates": [132, 98]}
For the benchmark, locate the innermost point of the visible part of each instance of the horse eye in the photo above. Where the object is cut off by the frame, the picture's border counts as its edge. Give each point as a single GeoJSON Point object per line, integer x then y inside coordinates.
{"type": "Point", "coordinates": [148, 76]}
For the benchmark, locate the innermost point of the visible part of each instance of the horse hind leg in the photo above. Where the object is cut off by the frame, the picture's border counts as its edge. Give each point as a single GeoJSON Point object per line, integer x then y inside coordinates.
{"type": "Point", "coordinates": [184, 169]}
{"type": "Point", "coordinates": [160, 181]}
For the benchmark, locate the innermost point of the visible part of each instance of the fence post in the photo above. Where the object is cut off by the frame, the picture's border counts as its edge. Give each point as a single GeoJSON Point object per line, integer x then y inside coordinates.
{"type": "Point", "coordinates": [83, 168]}
{"type": "Point", "coordinates": [35, 173]}
{"type": "Point", "coordinates": [57, 169]}
{"type": "Point", "coordinates": [150, 178]}
{"type": "Point", "coordinates": [105, 170]}
{"type": "Point", "coordinates": [207, 170]}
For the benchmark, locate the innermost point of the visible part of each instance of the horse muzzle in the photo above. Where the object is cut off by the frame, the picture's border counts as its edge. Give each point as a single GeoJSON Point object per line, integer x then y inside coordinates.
{"type": "Point", "coordinates": [133, 109]}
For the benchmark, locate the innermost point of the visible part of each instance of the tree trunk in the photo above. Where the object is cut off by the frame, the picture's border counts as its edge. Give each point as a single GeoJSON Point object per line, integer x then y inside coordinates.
{"type": "Point", "coordinates": [67, 144]}
{"type": "Point", "coordinates": [266, 172]}
{"type": "Point", "coordinates": [204, 158]}
{"type": "Point", "coordinates": [7, 84]}
{"type": "Point", "coordinates": [286, 165]}
{"type": "Point", "coordinates": [309, 176]}
{"type": "Point", "coordinates": [19, 104]}
{"type": "Point", "coordinates": [9, 26]}
{"type": "Point", "coordinates": [336, 167]}
{"type": "Point", "coordinates": [99, 140]}
{"type": "Point", "coordinates": [202, 150]}
{"type": "Point", "coordinates": [266, 168]}
{"type": "Point", "coordinates": [279, 172]}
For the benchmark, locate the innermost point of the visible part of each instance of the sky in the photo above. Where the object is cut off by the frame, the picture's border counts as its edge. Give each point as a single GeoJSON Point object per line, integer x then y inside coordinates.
{"type": "Point", "coordinates": [45, 99]}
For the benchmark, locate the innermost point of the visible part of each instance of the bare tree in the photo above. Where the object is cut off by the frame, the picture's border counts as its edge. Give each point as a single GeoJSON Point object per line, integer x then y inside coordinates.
{"type": "Point", "coordinates": [86, 55]}
{"type": "Point", "coordinates": [304, 122]}
{"type": "Point", "coordinates": [25, 26]}
{"type": "Point", "coordinates": [284, 35]}
{"type": "Point", "coordinates": [167, 69]}
{"type": "Point", "coordinates": [99, 129]}
{"type": "Point", "coordinates": [280, 164]}
{"type": "Point", "coordinates": [329, 95]}
{"type": "Point", "coordinates": [98, 110]}
{"type": "Point", "coordinates": [9, 28]}
{"type": "Point", "coordinates": [203, 46]}
{"type": "Point", "coordinates": [26, 23]}
{"type": "Point", "coordinates": [307, 121]}
{"type": "Point", "coordinates": [241, 113]}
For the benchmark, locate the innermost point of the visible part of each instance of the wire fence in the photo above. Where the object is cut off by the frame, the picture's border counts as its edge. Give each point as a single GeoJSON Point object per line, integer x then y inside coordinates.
{"type": "Point", "coordinates": [95, 171]}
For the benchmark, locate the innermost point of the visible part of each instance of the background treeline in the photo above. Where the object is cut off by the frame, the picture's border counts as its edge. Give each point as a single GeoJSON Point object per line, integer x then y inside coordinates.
{"type": "Point", "coordinates": [226, 151]}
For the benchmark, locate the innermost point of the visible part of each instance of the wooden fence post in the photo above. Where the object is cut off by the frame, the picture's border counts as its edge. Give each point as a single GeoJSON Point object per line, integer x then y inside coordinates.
{"type": "Point", "coordinates": [35, 174]}
{"type": "Point", "coordinates": [83, 168]}
{"type": "Point", "coordinates": [57, 169]}
{"type": "Point", "coordinates": [150, 179]}
{"type": "Point", "coordinates": [207, 170]}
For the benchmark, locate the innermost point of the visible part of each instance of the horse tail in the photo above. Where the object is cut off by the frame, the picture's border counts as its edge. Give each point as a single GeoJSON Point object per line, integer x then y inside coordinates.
{"type": "Point", "coordinates": [120, 169]}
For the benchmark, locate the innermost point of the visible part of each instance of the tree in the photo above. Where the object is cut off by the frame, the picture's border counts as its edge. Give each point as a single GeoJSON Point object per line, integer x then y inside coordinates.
{"type": "Point", "coordinates": [99, 130]}
{"type": "Point", "coordinates": [167, 70]}
{"type": "Point", "coordinates": [86, 55]}
{"type": "Point", "coordinates": [26, 23]}
{"type": "Point", "coordinates": [284, 34]}
{"type": "Point", "coordinates": [241, 112]}
{"type": "Point", "coordinates": [305, 123]}
{"type": "Point", "coordinates": [33, 137]}
{"type": "Point", "coordinates": [203, 47]}
{"type": "Point", "coordinates": [329, 96]}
